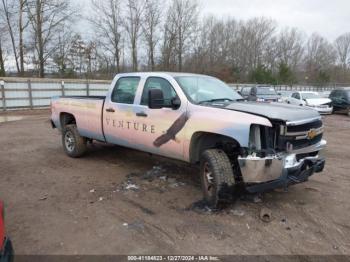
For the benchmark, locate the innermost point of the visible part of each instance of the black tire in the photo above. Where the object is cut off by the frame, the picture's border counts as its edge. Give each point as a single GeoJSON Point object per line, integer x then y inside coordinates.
{"type": "Point", "coordinates": [217, 177]}
{"type": "Point", "coordinates": [73, 144]}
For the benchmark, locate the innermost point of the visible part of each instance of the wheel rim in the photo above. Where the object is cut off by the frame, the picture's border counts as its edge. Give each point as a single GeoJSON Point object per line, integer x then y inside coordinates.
{"type": "Point", "coordinates": [209, 180]}
{"type": "Point", "coordinates": [69, 141]}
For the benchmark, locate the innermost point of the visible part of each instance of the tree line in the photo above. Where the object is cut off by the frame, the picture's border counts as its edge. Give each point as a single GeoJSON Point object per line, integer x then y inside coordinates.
{"type": "Point", "coordinates": [38, 37]}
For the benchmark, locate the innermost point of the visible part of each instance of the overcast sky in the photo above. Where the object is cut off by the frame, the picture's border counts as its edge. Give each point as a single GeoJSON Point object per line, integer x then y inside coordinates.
{"type": "Point", "coordinates": [330, 18]}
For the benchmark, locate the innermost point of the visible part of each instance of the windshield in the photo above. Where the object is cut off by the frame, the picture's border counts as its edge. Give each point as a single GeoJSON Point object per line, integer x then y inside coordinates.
{"type": "Point", "coordinates": [348, 93]}
{"type": "Point", "coordinates": [265, 90]}
{"type": "Point", "coordinates": [205, 89]}
{"type": "Point", "coordinates": [309, 95]}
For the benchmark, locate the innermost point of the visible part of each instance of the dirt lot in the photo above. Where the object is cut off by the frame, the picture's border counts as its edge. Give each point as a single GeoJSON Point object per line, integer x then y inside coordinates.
{"type": "Point", "coordinates": [120, 201]}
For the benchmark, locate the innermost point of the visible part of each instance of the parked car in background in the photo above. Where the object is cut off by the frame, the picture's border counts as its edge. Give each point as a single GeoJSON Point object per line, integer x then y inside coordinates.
{"type": "Point", "coordinates": [284, 94]}
{"type": "Point", "coordinates": [261, 94]}
{"type": "Point", "coordinates": [341, 100]}
{"type": "Point", "coordinates": [245, 91]}
{"type": "Point", "coordinates": [325, 94]}
{"type": "Point", "coordinates": [312, 100]}
{"type": "Point", "coordinates": [6, 250]}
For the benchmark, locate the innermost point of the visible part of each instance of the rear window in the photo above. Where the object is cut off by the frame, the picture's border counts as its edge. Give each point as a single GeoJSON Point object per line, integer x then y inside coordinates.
{"type": "Point", "coordinates": [266, 91]}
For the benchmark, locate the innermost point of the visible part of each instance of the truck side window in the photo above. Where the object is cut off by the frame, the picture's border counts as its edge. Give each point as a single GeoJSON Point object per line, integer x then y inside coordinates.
{"type": "Point", "coordinates": [296, 96]}
{"type": "Point", "coordinates": [246, 91]}
{"type": "Point", "coordinates": [158, 83]}
{"type": "Point", "coordinates": [125, 90]}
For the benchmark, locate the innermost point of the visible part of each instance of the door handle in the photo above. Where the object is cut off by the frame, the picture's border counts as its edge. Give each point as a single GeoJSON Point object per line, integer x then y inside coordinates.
{"type": "Point", "coordinates": [141, 114]}
{"type": "Point", "coordinates": [111, 110]}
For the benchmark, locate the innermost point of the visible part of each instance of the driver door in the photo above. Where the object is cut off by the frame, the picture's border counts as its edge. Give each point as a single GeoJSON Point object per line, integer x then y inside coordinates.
{"type": "Point", "coordinates": [158, 137]}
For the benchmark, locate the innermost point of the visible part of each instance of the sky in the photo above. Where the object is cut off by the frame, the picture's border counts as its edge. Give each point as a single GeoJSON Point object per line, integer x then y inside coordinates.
{"type": "Point", "coordinates": [330, 18]}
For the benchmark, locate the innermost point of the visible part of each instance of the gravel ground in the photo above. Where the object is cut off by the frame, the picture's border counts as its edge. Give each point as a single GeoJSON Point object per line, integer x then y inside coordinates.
{"type": "Point", "coordinates": [121, 201]}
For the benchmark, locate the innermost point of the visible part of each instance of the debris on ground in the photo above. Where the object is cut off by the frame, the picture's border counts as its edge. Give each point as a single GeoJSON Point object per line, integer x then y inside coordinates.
{"type": "Point", "coordinates": [265, 215]}
{"type": "Point", "coordinates": [137, 225]}
{"type": "Point", "coordinates": [100, 198]}
{"type": "Point", "coordinates": [238, 212]}
{"type": "Point", "coordinates": [257, 199]}
{"type": "Point", "coordinates": [172, 180]}
{"type": "Point", "coordinates": [43, 197]}
{"type": "Point", "coordinates": [92, 191]}
{"type": "Point", "coordinates": [131, 187]}
{"type": "Point", "coordinates": [155, 172]}
{"type": "Point", "coordinates": [200, 207]}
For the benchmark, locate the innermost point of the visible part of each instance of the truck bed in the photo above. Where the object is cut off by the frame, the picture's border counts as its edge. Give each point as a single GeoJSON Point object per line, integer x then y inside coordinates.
{"type": "Point", "coordinates": [84, 97]}
{"type": "Point", "coordinates": [87, 111]}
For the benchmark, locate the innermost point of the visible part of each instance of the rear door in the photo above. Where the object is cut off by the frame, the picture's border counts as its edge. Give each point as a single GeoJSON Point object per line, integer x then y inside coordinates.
{"type": "Point", "coordinates": [119, 116]}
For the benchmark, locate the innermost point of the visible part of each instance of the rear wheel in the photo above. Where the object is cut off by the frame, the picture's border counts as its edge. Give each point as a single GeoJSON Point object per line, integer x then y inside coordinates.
{"type": "Point", "coordinates": [217, 177]}
{"type": "Point", "coordinates": [74, 145]}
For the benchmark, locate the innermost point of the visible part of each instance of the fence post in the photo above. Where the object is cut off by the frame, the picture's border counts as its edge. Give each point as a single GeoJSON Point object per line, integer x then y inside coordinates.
{"type": "Point", "coordinates": [62, 88]}
{"type": "Point", "coordinates": [2, 86]}
{"type": "Point", "coordinates": [30, 94]}
{"type": "Point", "coordinates": [87, 88]}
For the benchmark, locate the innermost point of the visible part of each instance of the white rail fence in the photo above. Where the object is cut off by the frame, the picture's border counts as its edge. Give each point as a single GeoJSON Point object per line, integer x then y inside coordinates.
{"type": "Point", "coordinates": [20, 93]}
{"type": "Point", "coordinates": [36, 93]}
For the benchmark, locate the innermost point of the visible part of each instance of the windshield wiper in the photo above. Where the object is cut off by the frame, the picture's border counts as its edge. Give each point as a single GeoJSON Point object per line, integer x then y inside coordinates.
{"type": "Point", "coordinates": [216, 100]}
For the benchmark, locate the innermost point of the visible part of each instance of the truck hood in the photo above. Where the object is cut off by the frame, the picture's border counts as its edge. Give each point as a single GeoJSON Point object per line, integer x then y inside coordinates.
{"type": "Point", "coordinates": [274, 111]}
{"type": "Point", "coordinates": [318, 101]}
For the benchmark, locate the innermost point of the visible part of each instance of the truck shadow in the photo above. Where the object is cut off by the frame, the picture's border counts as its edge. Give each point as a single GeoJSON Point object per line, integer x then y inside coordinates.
{"type": "Point", "coordinates": [146, 168]}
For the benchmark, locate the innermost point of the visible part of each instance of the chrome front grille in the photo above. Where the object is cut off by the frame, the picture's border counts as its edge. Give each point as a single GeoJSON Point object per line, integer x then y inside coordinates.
{"type": "Point", "coordinates": [296, 136]}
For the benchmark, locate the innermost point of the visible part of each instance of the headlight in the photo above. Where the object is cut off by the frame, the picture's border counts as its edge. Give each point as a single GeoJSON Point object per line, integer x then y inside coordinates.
{"type": "Point", "coordinates": [255, 137]}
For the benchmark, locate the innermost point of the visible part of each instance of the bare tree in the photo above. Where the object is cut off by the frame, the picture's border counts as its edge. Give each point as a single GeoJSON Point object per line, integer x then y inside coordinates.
{"type": "Point", "coordinates": [47, 18]}
{"type": "Point", "coordinates": [14, 14]}
{"type": "Point", "coordinates": [133, 23]}
{"type": "Point", "coordinates": [61, 54]}
{"type": "Point", "coordinates": [290, 47]}
{"type": "Point", "coordinates": [319, 57]}
{"type": "Point", "coordinates": [342, 46]}
{"type": "Point", "coordinates": [8, 11]}
{"type": "Point", "coordinates": [2, 58]}
{"type": "Point", "coordinates": [169, 44]}
{"type": "Point", "coordinates": [151, 23]}
{"type": "Point", "coordinates": [184, 16]}
{"type": "Point", "coordinates": [22, 25]}
{"type": "Point", "coordinates": [2, 62]}
{"type": "Point", "coordinates": [107, 22]}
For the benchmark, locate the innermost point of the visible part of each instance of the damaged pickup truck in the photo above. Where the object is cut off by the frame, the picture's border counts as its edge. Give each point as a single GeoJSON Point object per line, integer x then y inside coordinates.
{"type": "Point", "coordinates": [200, 120]}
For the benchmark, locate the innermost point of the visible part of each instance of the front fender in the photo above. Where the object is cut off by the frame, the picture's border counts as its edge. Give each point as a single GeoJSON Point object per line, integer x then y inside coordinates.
{"type": "Point", "coordinates": [229, 123]}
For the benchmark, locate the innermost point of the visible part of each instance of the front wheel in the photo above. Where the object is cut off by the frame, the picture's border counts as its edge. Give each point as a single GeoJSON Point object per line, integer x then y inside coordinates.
{"type": "Point", "coordinates": [74, 145]}
{"type": "Point", "coordinates": [217, 177]}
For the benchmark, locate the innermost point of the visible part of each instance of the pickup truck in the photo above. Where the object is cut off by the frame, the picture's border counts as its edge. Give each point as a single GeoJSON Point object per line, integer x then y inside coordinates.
{"type": "Point", "coordinates": [200, 120]}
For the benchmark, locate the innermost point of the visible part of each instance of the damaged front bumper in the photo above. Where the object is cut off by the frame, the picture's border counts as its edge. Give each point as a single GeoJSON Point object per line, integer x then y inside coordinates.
{"type": "Point", "coordinates": [280, 170]}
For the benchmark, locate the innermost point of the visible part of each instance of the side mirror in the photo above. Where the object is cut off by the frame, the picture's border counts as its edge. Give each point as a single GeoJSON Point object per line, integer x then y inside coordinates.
{"type": "Point", "coordinates": [175, 103]}
{"type": "Point", "coordinates": [155, 98]}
